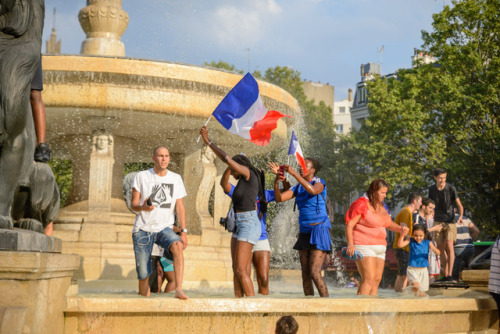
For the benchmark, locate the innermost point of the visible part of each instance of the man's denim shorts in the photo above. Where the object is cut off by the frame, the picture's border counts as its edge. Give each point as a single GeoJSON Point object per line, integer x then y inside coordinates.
{"type": "Point", "coordinates": [248, 227]}
{"type": "Point", "coordinates": [143, 246]}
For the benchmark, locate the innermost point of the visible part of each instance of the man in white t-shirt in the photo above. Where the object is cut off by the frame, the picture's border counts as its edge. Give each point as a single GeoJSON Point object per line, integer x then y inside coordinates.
{"type": "Point", "coordinates": [153, 223]}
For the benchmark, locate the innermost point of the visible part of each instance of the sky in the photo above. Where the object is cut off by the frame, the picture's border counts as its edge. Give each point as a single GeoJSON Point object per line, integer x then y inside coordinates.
{"type": "Point", "coordinates": [325, 40]}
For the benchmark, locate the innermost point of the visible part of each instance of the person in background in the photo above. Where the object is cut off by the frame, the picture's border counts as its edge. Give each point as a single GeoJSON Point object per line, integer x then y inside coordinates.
{"type": "Point", "coordinates": [467, 233]}
{"type": "Point", "coordinates": [444, 196]}
{"type": "Point", "coordinates": [366, 221]}
{"type": "Point", "coordinates": [494, 281]}
{"type": "Point", "coordinates": [425, 216]}
{"type": "Point", "coordinates": [286, 325]}
{"type": "Point", "coordinates": [405, 218]}
{"type": "Point", "coordinates": [163, 269]}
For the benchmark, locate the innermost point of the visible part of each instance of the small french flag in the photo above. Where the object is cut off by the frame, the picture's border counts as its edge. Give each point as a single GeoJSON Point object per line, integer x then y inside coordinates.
{"type": "Point", "coordinates": [297, 152]}
{"type": "Point", "coordinates": [242, 112]}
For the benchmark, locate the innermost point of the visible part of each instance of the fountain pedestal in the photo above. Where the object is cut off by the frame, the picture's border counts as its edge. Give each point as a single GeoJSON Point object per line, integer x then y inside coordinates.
{"type": "Point", "coordinates": [34, 279]}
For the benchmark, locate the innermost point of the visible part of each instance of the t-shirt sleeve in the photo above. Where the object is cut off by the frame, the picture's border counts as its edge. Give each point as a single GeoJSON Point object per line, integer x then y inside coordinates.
{"type": "Point", "coordinates": [453, 193]}
{"type": "Point", "coordinates": [270, 196]}
{"type": "Point", "coordinates": [405, 217]}
{"type": "Point", "coordinates": [294, 189]}
{"type": "Point", "coordinates": [180, 190]}
{"type": "Point", "coordinates": [358, 207]}
{"type": "Point", "coordinates": [230, 194]}
{"type": "Point", "coordinates": [136, 184]}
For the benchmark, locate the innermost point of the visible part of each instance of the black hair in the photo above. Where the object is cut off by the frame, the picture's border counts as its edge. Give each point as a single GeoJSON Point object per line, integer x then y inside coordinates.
{"type": "Point", "coordinates": [244, 161]}
{"type": "Point", "coordinates": [316, 164]}
{"type": "Point", "coordinates": [420, 227]}
{"type": "Point", "coordinates": [287, 325]}
{"type": "Point", "coordinates": [426, 201]}
{"type": "Point", "coordinates": [413, 197]}
{"type": "Point", "coordinates": [438, 171]}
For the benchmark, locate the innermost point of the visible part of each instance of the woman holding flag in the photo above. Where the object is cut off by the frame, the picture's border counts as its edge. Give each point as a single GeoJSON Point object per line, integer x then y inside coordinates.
{"type": "Point", "coordinates": [248, 227]}
{"type": "Point", "coordinates": [314, 240]}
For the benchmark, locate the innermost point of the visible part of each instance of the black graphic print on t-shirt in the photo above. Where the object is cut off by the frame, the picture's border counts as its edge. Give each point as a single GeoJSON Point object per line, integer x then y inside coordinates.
{"type": "Point", "coordinates": [162, 195]}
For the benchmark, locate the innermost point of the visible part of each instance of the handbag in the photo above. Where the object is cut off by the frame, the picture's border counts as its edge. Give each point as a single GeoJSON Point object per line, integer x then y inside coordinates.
{"type": "Point", "coordinates": [229, 222]}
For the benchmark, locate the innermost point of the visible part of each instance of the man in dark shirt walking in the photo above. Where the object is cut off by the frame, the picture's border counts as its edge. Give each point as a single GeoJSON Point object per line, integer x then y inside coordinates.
{"type": "Point", "coordinates": [444, 195]}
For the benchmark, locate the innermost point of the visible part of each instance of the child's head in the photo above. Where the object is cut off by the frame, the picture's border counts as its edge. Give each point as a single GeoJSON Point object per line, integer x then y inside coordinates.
{"type": "Point", "coordinates": [286, 325]}
{"type": "Point", "coordinates": [418, 232]}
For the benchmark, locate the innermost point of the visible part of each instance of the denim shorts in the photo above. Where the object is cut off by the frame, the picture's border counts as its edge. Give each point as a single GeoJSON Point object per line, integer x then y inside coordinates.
{"type": "Point", "coordinates": [248, 227]}
{"type": "Point", "coordinates": [143, 246]}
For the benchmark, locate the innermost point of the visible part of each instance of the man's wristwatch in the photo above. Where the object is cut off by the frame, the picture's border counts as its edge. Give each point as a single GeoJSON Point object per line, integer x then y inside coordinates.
{"type": "Point", "coordinates": [184, 230]}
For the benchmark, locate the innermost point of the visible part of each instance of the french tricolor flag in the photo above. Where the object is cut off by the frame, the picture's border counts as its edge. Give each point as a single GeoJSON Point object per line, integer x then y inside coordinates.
{"type": "Point", "coordinates": [297, 152]}
{"type": "Point", "coordinates": [243, 113]}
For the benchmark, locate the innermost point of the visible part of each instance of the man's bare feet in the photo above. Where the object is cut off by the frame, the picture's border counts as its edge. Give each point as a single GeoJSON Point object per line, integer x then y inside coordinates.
{"type": "Point", "coordinates": [180, 294]}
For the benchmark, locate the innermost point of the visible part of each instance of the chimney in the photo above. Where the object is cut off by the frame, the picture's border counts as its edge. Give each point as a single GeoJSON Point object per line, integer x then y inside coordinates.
{"type": "Point", "coordinates": [349, 94]}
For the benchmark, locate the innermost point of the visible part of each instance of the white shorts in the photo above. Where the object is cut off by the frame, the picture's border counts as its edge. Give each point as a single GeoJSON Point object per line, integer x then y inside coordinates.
{"type": "Point", "coordinates": [372, 250]}
{"type": "Point", "coordinates": [419, 275]}
{"type": "Point", "coordinates": [262, 246]}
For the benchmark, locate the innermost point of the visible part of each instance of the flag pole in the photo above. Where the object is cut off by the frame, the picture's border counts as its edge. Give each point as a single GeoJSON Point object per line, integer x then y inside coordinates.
{"type": "Point", "coordinates": [208, 120]}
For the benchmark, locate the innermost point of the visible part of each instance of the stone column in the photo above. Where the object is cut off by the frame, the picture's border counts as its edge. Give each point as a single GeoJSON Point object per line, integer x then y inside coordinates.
{"type": "Point", "coordinates": [101, 176]}
{"type": "Point", "coordinates": [201, 169]}
{"type": "Point", "coordinates": [34, 279]}
{"type": "Point", "coordinates": [104, 22]}
{"type": "Point", "coordinates": [99, 226]}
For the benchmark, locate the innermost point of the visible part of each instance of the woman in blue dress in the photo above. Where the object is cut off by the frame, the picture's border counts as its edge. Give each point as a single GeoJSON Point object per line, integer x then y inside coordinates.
{"type": "Point", "coordinates": [314, 240]}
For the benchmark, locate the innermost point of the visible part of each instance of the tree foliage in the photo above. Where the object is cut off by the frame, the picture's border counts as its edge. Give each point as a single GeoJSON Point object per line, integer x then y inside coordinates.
{"type": "Point", "coordinates": [443, 115]}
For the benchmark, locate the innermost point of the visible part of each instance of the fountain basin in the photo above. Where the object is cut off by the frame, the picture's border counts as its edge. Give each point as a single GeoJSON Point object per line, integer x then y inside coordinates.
{"type": "Point", "coordinates": [459, 312]}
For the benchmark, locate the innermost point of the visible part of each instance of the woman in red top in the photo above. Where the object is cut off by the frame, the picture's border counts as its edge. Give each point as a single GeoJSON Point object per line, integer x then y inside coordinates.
{"type": "Point", "coordinates": [366, 221]}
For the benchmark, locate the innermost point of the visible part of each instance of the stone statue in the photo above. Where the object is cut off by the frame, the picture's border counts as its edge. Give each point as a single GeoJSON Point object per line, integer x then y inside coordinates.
{"type": "Point", "coordinates": [207, 155]}
{"type": "Point", "coordinates": [33, 185]}
{"type": "Point", "coordinates": [102, 143]}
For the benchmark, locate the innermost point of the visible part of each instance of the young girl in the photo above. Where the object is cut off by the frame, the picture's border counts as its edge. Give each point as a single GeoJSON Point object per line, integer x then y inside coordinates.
{"type": "Point", "coordinates": [417, 273]}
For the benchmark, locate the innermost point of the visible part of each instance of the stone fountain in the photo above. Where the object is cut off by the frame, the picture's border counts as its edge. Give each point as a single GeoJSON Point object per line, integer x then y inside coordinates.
{"type": "Point", "coordinates": [104, 110]}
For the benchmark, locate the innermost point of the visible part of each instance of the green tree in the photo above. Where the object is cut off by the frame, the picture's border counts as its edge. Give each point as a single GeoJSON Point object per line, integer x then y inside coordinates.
{"type": "Point", "coordinates": [466, 39]}
{"type": "Point", "coordinates": [443, 115]}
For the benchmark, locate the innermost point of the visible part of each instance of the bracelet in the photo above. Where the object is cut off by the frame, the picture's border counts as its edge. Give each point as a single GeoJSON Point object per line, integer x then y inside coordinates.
{"type": "Point", "coordinates": [210, 143]}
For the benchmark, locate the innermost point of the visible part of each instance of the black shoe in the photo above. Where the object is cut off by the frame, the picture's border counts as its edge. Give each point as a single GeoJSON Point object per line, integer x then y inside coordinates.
{"type": "Point", "coordinates": [450, 279]}
{"type": "Point", "coordinates": [42, 152]}
{"type": "Point", "coordinates": [442, 279]}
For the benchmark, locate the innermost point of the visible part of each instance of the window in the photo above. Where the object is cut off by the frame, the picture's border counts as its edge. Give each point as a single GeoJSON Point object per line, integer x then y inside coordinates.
{"type": "Point", "coordinates": [339, 128]}
{"type": "Point", "coordinates": [342, 110]}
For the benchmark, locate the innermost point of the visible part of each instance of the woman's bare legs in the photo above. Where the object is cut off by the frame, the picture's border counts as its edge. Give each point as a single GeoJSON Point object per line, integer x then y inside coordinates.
{"type": "Point", "coordinates": [238, 290]}
{"type": "Point", "coordinates": [243, 256]}
{"type": "Point", "coordinates": [371, 269]}
{"type": "Point", "coordinates": [261, 263]}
